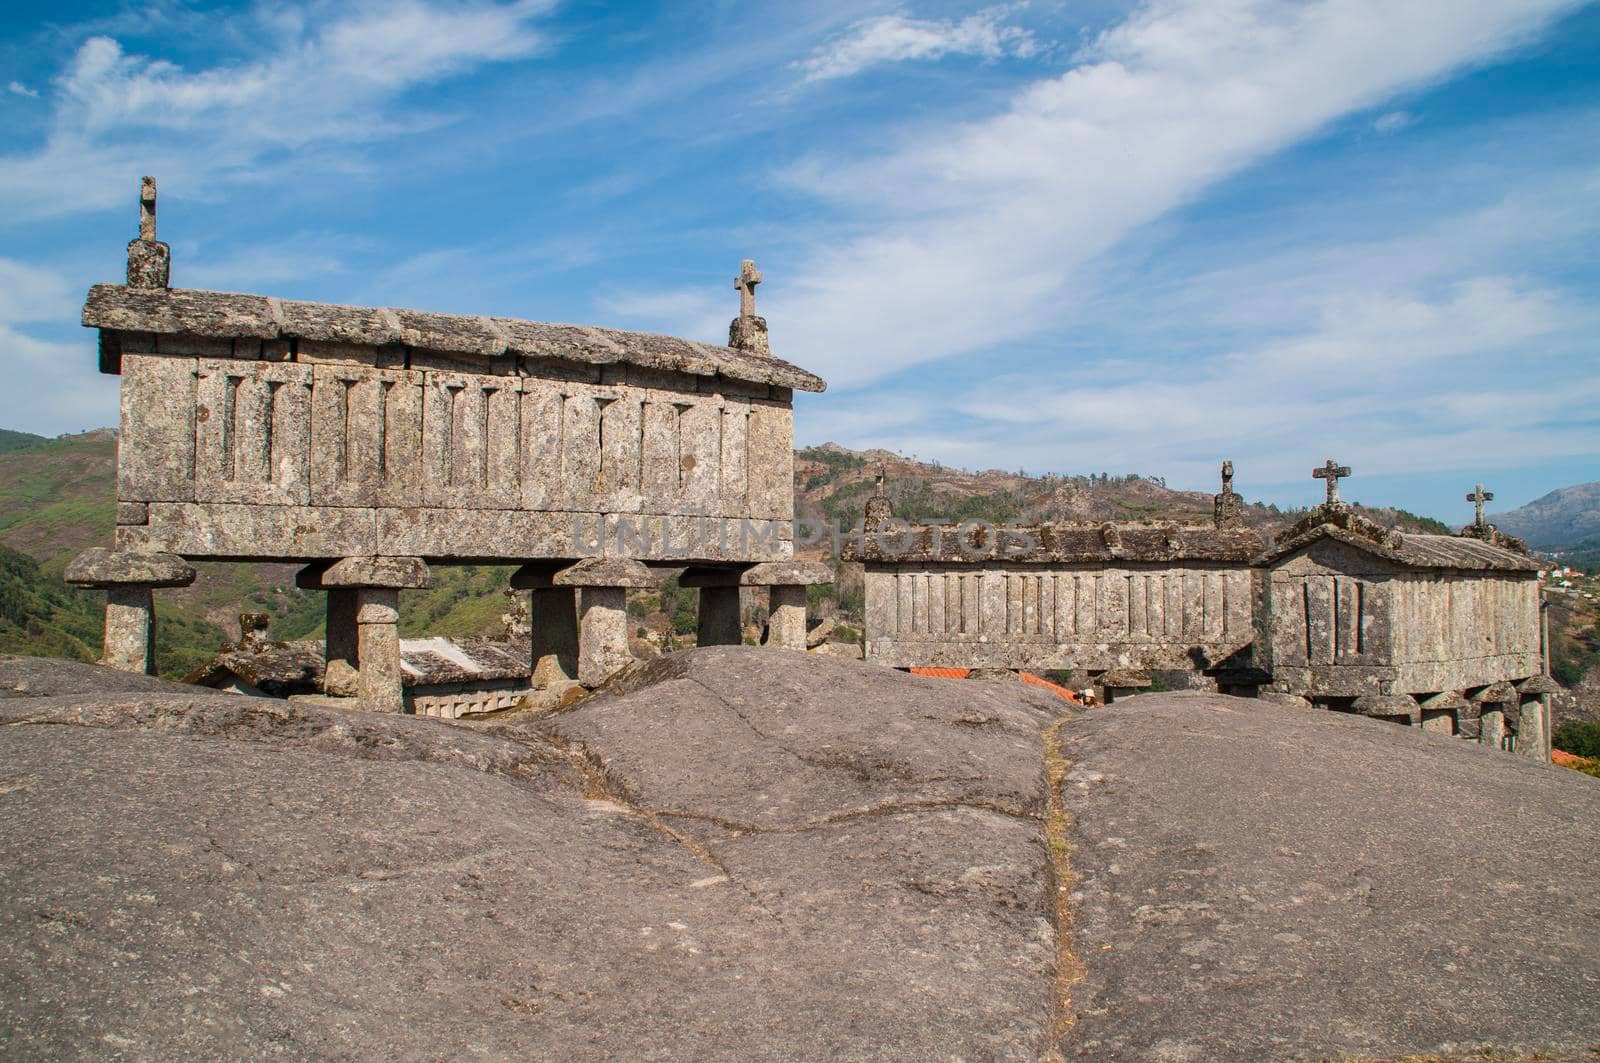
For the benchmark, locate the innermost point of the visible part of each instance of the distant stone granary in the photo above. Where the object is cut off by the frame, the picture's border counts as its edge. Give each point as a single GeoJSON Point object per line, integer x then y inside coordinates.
{"type": "Point", "coordinates": [371, 443]}
{"type": "Point", "coordinates": [1113, 601]}
{"type": "Point", "coordinates": [1442, 631]}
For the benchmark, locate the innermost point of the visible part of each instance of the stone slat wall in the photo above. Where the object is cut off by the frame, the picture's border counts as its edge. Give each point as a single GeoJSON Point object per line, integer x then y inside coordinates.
{"type": "Point", "coordinates": [1344, 623]}
{"type": "Point", "coordinates": [1056, 616]}
{"type": "Point", "coordinates": [231, 457]}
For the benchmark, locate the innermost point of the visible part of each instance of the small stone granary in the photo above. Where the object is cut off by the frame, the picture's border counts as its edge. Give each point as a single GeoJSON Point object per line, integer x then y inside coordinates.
{"type": "Point", "coordinates": [1113, 601]}
{"type": "Point", "coordinates": [372, 443]}
{"type": "Point", "coordinates": [1441, 631]}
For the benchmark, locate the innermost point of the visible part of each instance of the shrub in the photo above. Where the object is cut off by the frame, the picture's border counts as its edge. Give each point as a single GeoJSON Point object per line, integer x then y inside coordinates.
{"type": "Point", "coordinates": [1581, 738]}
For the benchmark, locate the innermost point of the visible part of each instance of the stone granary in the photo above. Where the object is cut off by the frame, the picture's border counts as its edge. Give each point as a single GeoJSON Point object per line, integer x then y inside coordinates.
{"type": "Point", "coordinates": [372, 443]}
{"type": "Point", "coordinates": [1113, 601]}
{"type": "Point", "coordinates": [1443, 631]}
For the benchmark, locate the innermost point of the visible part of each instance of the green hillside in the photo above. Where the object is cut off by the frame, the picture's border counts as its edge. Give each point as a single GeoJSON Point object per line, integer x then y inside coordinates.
{"type": "Point", "coordinates": [57, 497]}
{"type": "Point", "coordinates": [10, 440]}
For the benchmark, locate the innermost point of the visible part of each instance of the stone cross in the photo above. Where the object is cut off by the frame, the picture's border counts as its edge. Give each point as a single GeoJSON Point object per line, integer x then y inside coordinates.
{"type": "Point", "coordinates": [1479, 496]}
{"type": "Point", "coordinates": [147, 209]}
{"type": "Point", "coordinates": [149, 260]}
{"type": "Point", "coordinates": [1228, 507]}
{"type": "Point", "coordinates": [1332, 472]}
{"type": "Point", "coordinates": [746, 283]}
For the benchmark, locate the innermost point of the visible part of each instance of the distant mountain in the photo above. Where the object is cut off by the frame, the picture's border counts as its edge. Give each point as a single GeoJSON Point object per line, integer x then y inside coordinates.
{"type": "Point", "coordinates": [1563, 518]}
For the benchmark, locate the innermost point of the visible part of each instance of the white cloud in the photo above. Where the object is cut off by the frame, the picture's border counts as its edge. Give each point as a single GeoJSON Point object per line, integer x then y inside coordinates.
{"type": "Point", "coordinates": [31, 293]}
{"type": "Point", "coordinates": [321, 81]}
{"type": "Point", "coordinates": [1393, 122]}
{"type": "Point", "coordinates": [897, 39]}
{"type": "Point", "coordinates": [972, 235]}
{"type": "Point", "coordinates": [47, 385]}
{"type": "Point", "coordinates": [17, 88]}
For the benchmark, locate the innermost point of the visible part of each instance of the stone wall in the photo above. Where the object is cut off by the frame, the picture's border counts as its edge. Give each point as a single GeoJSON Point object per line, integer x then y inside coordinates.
{"type": "Point", "coordinates": [1186, 614]}
{"type": "Point", "coordinates": [227, 452]}
{"type": "Point", "coordinates": [1346, 623]}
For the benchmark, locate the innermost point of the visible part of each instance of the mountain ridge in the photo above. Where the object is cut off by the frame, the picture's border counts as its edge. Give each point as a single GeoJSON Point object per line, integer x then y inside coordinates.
{"type": "Point", "coordinates": [1565, 518]}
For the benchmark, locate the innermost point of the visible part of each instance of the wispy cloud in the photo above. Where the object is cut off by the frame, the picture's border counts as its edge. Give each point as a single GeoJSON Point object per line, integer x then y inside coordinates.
{"type": "Point", "coordinates": [1393, 122]}
{"type": "Point", "coordinates": [897, 39]}
{"type": "Point", "coordinates": [324, 81]}
{"type": "Point", "coordinates": [17, 88]}
{"type": "Point", "coordinates": [34, 368]}
{"type": "Point", "coordinates": [972, 235]}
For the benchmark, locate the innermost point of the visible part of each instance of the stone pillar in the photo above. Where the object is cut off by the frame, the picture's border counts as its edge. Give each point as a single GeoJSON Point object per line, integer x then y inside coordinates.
{"type": "Point", "coordinates": [718, 618]}
{"type": "Point", "coordinates": [603, 584]}
{"type": "Point", "coordinates": [129, 580]}
{"type": "Point", "coordinates": [341, 636]}
{"type": "Point", "coordinates": [378, 682]}
{"type": "Point", "coordinates": [1492, 731]}
{"type": "Point", "coordinates": [786, 617]}
{"type": "Point", "coordinates": [553, 613]}
{"type": "Point", "coordinates": [130, 634]}
{"type": "Point", "coordinates": [1533, 741]}
{"type": "Point", "coordinates": [786, 610]}
{"type": "Point", "coordinates": [364, 625]}
{"type": "Point", "coordinates": [602, 634]}
{"type": "Point", "coordinates": [1492, 701]}
{"type": "Point", "coordinates": [1439, 721]}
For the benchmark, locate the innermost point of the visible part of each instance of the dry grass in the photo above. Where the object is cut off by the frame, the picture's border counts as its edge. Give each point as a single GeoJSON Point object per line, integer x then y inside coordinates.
{"type": "Point", "coordinates": [1058, 827]}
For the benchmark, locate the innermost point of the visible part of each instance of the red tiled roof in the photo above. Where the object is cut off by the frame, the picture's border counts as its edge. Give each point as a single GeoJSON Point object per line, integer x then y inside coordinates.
{"type": "Point", "coordinates": [1032, 680]}
{"type": "Point", "coordinates": [943, 673]}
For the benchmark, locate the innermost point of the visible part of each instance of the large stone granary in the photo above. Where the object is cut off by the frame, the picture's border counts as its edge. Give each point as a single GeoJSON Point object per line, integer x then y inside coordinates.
{"type": "Point", "coordinates": [371, 443]}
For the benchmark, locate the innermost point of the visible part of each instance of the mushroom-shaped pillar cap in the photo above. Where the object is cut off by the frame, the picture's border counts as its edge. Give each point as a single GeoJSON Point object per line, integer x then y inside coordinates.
{"type": "Point", "coordinates": [1446, 700]}
{"type": "Point", "coordinates": [1496, 693]}
{"type": "Point", "coordinates": [786, 574]}
{"type": "Point", "coordinates": [1125, 679]}
{"type": "Point", "coordinates": [1539, 684]}
{"type": "Point", "coordinates": [605, 572]}
{"type": "Point", "coordinates": [103, 568]}
{"type": "Point", "coordinates": [399, 573]}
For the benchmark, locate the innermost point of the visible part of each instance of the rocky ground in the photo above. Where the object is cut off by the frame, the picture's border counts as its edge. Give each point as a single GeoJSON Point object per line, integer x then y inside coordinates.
{"type": "Point", "coordinates": [741, 853]}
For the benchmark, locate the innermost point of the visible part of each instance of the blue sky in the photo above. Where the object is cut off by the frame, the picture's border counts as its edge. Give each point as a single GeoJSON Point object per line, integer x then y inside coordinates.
{"type": "Point", "coordinates": [1056, 236]}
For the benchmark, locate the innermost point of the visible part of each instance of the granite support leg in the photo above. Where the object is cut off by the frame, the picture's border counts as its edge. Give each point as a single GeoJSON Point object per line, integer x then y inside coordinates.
{"type": "Point", "coordinates": [1530, 730]}
{"type": "Point", "coordinates": [718, 621]}
{"type": "Point", "coordinates": [555, 636]}
{"type": "Point", "coordinates": [602, 633]}
{"type": "Point", "coordinates": [378, 637]}
{"type": "Point", "coordinates": [786, 618]}
{"type": "Point", "coordinates": [1439, 721]}
{"type": "Point", "coordinates": [1492, 728]}
{"type": "Point", "coordinates": [342, 644]}
{"type": "Point", "coordinates": [130, 629]}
